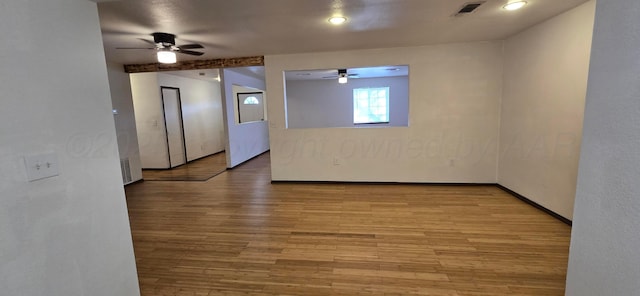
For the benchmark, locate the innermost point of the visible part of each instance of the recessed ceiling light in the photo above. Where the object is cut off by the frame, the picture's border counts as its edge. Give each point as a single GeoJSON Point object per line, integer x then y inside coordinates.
{"type": "Point", "coordinates": [338, 20]}
{"type": "Point", "coordinates": [515, 5]}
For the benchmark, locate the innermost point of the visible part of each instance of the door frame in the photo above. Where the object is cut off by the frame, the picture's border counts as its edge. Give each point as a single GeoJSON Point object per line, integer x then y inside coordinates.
{"type": "Point", "coordinates": [262, 104]}
{"type": "Point", "coordinates": [166, 130]}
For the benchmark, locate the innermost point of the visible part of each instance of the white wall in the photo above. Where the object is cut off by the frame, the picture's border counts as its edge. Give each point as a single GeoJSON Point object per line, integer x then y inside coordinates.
{"type": "Point", "coordinates": [245, 140]}
{"type": "Point", "coordinates": [201, 110]}
{"type": "Point", "coordinates": [605, 240]}
{"type": "Point", "coordinates": [545, 84]}
{"type": "Point", "coordinates": [454, 93]}
{"type": "Point", "coordinates": [125, 120]}
{"type": "Point", "coordinates": [152, 136]}
{"type": "Point", "coordinates": [201, 114]}
{"type": "Point", "coordinates": [325, 103]}
{"type": "Point", "coordinates": [69, 234]}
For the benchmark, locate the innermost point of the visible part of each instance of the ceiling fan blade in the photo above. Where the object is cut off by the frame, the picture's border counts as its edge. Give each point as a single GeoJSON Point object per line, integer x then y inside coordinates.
{"type": "Point", "coordinates": [190, 46]}
{"type": "Point", "coordinates": [135, 48]}
{"type": "Point", "coordinates": [147, 41]}
{"type": "Point", "coordinates": [191, 52]}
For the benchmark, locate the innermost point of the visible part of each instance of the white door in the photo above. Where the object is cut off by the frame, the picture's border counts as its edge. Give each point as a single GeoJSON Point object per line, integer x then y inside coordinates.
{"type": "Point", "coordinates": [173, 123]}
{"type": "Point", "coordinates": [250, 107]}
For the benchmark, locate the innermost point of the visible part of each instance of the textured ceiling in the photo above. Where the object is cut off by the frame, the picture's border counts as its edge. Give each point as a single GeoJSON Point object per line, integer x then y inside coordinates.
{"type": "Point", "coordinates": [259, 27]}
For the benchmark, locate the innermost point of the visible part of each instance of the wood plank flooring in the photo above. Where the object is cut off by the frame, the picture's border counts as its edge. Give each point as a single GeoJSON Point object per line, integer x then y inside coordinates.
{"type": "Point", "coordinates": [237, 234]}
{"type": "Point", "coordinates": [198, 170]}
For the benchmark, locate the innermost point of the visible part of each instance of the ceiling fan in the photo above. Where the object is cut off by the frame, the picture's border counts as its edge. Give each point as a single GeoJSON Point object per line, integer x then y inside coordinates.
{"type": "Point", "coordinates": [342, 73]}
{"type": "Point", "coordinates": [342, 76]}
{"type": "Point", "coordinates": [165, 45]}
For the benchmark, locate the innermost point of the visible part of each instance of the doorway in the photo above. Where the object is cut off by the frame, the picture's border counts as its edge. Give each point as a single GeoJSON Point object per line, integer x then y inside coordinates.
{"type": "Point", "coordinates": [174, 126]}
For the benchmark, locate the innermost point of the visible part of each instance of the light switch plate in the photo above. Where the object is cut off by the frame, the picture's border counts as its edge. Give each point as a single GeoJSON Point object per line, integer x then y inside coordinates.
{"type": "Point", "coordinates": [41, 166]}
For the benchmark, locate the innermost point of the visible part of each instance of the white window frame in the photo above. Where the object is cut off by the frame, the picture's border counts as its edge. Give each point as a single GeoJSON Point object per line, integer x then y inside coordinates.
{"type": "Point", "coordinates": [361, 103]}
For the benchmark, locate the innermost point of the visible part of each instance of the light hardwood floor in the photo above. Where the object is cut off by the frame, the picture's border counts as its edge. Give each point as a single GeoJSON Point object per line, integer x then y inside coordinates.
{"type": "Point", "coordinates": [198, 170]}
{"type": "Point", "coordinates": [237, 234]}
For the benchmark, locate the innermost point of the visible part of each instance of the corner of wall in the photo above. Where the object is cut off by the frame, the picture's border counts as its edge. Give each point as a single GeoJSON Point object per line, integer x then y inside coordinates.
{"type": "Point", "coordinates": [544, 84]}
{"type": "Point", "coordinates": [124, 117]}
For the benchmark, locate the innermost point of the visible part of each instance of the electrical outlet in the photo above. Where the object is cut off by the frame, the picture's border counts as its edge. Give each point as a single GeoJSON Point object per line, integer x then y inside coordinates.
{"type": "Point", "coordinates": [41, 166]}
{"type": "Point", "coordinates": [336, 161]}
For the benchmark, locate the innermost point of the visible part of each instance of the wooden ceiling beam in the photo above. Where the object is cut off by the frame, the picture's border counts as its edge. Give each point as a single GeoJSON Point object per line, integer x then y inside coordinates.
{"type": "Point", "coordinates": [196, 65]}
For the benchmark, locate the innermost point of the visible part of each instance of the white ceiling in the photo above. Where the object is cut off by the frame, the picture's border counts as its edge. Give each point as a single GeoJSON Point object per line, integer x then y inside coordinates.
{"type": "Point", "coordinates": [259, 27]}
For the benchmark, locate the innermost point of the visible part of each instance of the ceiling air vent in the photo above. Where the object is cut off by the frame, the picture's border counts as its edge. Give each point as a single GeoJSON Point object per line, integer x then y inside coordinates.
{"type": "Point", "coordinates": [469, 7]}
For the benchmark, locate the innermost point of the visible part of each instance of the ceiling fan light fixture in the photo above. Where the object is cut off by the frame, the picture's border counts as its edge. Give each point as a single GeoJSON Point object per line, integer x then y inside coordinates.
{"type": "Point", "coordinates": [167, 57]}
{"type": "Point", "coordinates": [338, 20]}
{"type": "Point", "coordinates": [343, 77]}
{"type": "Point", "coordinates": [515, 5]}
